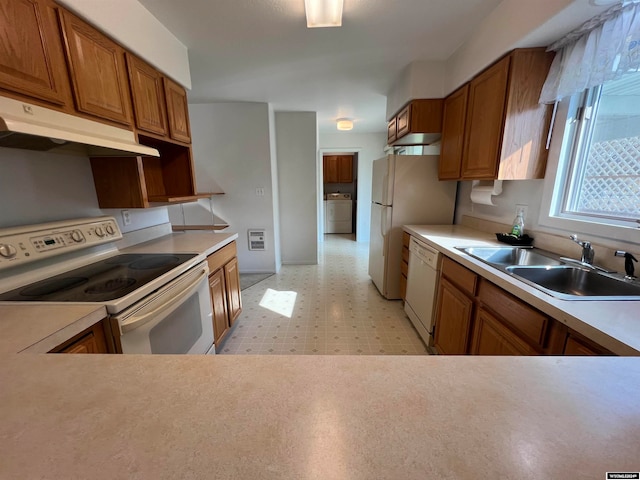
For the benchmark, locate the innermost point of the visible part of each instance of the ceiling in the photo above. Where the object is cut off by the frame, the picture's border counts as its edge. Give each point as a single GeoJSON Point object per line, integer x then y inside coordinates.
{"type": "Point", "coordinates": [261, 51]}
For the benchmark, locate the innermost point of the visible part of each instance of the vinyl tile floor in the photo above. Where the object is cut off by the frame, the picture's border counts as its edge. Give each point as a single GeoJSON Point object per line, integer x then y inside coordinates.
{"type": "Point", "coordinates": [332, 308]}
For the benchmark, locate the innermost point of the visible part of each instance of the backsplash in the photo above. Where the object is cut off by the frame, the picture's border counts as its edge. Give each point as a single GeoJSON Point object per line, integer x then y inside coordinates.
{"type": "Point", "coordinates": [559, 244]}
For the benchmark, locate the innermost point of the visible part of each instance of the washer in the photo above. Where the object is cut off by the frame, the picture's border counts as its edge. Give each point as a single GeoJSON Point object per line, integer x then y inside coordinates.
{"type": "Point", "coordinates": [338, 209]}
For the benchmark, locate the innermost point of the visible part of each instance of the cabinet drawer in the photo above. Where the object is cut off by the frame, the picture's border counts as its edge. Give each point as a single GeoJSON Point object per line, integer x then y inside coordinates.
{"type": "Point", "coordinates": [406, 239]}
{"type": "Point", "coordinates": [405, 254]}
{"type": "Point", "coordinates": [404, 268]}
{"type": "Point", "coordinates": [218, 259]}
{"type": "Point", "coordinates": [464, 278]}
{"type": "Point", "coordinates": [529, 322]}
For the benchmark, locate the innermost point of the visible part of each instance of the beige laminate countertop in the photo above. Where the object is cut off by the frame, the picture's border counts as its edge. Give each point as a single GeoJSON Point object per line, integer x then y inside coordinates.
{"type": "Point", "coordinates": [324, 417]}
{"type": "Point", "coordinates": [613, 324]}
{"type": "Point", "coordinates": [40, 327]}
{"type": "Point", "coordinates": [303, 417]}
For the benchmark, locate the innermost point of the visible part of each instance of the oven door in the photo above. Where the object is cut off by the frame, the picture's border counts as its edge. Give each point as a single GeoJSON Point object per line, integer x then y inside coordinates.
{"type": "Point", "coordinates": [176, 319]}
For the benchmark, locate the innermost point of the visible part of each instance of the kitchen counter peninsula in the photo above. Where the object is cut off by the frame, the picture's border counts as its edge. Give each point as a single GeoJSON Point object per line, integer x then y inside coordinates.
{"type": "Point", "coordinates": [307, 417]}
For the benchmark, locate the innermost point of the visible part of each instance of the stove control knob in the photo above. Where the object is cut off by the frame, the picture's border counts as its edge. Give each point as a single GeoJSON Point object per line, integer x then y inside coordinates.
{"type": "Point", "coordinates": [76, 236]}
{"type": "Point", "coordinates": [110, 230]}
{"type": "Point", "coordinates": [99, 232]}
{"type": "Point", "coordinates": [7, 251]}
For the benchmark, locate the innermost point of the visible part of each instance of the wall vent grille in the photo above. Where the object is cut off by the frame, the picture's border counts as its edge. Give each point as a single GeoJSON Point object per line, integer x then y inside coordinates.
{"type": "Point", "coordinates": [256, 239]}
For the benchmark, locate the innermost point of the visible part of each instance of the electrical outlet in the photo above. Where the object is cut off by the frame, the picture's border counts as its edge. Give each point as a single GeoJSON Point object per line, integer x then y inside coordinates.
{"type": "Point", "coordinates": [522, 208]}
{"type": "Point", "coordinates": [260, 191]}
{"type": "Point", "coordinates": [126, 217]}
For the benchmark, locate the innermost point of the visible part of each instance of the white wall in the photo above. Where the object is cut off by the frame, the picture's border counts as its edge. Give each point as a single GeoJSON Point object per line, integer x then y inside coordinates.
{"type": "Point", "coordinates": [503, 30]}
{"type": "Point", "coordinates": [297, 147]}
{"type": "Point", "coordinates": [419, 79]}
{"type": "Point", "coordinates": [133, 26]}
{"type": "Point", "coordinates": [38, 187]}
{"type": "Point", "coordinates": [370, 147]}
{"type": "Point", "coordinates": [232, 153]}
{"type": "Point", "coordinates": [275, 188]}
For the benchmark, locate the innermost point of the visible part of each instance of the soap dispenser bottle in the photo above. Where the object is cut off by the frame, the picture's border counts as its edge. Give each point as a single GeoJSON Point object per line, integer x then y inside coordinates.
{"type": "Point", "coordinates": [518, 224]}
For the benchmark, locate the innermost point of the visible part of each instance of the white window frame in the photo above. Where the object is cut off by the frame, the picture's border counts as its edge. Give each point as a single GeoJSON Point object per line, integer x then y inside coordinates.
{"type": "Point", "coordinates": [551, 215]}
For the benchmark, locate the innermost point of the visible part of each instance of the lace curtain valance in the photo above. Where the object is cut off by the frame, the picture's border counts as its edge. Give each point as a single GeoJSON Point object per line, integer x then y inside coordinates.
{"type": "Point", "coordinates": [602, 49]}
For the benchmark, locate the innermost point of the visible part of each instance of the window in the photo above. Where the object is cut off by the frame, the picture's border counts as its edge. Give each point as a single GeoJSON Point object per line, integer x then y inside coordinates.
{"type": "Point", "coordinates": [599, 173]}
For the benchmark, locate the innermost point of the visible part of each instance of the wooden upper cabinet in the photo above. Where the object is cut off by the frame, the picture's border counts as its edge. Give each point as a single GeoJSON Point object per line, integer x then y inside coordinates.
{"type": "Point", "coordinates": [403, 121]}
{"type": "Point", "coordinates": [147, 91]}
{"type": "Point", "coordinates": [177, 111]}
{"type": "Point", "coordinates": [506, 128]}
{"type": "Point", "coordinates": [31, 54]}
{"type": "Point", "coordinates": [391, 131]}
{"type": "Point", "coordinates": [337, 168]}
{"type": "Point", "coordinates": [98, 72]}
{"type": "Point", "coordinates": [453, 122]}
{"type": "Point", "coordinates": [487, 98]}
{"type": "Point", "coordinates": [419, 122]}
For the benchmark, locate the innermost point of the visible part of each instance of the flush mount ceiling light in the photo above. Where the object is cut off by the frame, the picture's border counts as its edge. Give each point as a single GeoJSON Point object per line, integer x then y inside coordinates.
{"type": "Point", "coordinates": [323, 13]}
{"type": "Point", "coordinates": [344, 124]}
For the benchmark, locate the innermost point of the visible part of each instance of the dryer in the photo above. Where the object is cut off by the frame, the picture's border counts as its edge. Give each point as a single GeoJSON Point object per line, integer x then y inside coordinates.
{"type": "Point", "coordinates": [338, 208]}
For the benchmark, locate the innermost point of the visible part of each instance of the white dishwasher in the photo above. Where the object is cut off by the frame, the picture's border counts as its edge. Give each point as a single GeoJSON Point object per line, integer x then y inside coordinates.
{"type": "Point", "coordinates": [422, 284]}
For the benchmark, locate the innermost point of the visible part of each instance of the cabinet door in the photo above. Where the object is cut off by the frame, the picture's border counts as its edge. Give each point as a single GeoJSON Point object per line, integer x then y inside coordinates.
{"type": "Point", "coordinates": [234, 299]}
{"type": "Point", "coordinates": [92, 340]}
{"type": "Point", "coordinates": [453, 125]}
{"type": "Point", "coordinates": [526, 126]}
{"type": "Point", "coordinates": [330, 169]}
{"type": "Point", "coordinates": [219, 304]}
{"type": "Point", "coordinates": [391, 131]}
{"type": "Point", "coordinates": [492, 337]}
{"type": "Point", "coordinates": [403, 121]}
{"type": "Point", "coordinates": [98, 73]}
{"type": "Point", "coordinates": [345, 168]}
{"type": "Point", "coordinates": [578, 346]}
{"type": "Point", "coordinates": [31, 56]}
{"type": "Point", "coordinates": [147, 91]}
{"type": "Point", "coordinates": [485, 117]}
{"type": "Point", "coordinates": [177, 111]}
{"type": "Point", "coordinates": [453, 319]}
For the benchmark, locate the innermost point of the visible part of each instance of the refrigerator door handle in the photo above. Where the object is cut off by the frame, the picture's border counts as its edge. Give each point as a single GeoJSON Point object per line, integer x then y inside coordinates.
{"type": "Point", "coordinates": [383, 229]}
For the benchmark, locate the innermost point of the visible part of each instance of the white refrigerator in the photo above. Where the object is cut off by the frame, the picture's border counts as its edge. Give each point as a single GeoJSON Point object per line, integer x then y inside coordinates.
{"type": "Point", "coordinates": [405, 191]}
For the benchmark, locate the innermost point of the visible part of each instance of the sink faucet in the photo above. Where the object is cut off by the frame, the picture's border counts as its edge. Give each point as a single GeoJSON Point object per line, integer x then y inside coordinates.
{"type": "Point", "coordinates": [587, 251]}
{"type": "Point", "coordinates": [628, 263]}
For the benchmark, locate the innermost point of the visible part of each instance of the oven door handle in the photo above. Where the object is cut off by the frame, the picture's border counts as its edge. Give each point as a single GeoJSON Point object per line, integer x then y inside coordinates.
{"type": "Point", "coordinates": [142, 319]}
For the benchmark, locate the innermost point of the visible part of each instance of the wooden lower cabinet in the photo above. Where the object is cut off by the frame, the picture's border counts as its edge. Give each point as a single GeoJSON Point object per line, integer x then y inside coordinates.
{"type": "Point", "coordinates": [234, 299]}
{"type": "Point", "coordinates": [92, 340]}
{"type": "Point", "coordinates": [492, 337]}
{"type": "Point", "coordinates": [475, 316]}
{"type": "Point", "coordinates": [404, 266]}
{"type": "Point", "coordinates": [224, 286]}
{"type": "Point", "coordinates": [453, 320]}
{"type": "Point", "coordinates": [217, 288]}
{"type": "Point", "coordinates": [575, 344]}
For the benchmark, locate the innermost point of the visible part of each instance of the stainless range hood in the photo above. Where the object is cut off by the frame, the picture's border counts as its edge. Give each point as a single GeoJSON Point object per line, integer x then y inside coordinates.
{"type": "Point", "coordinates": [27, 126]}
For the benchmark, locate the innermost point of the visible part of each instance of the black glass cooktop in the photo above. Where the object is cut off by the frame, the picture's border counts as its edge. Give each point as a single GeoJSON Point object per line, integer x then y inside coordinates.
{"type": "Point", "coordinates": [102, 281]}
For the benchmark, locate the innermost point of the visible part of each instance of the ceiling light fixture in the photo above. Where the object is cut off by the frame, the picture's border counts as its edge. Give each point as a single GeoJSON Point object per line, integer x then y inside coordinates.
{"type": "Point", "coordinates": [344, 124]}
{"type": "Point", "coordinates": [323, 13]}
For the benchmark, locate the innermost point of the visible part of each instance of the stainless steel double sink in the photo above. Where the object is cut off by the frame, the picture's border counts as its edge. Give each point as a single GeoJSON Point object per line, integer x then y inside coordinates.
{"type": "Point", "coordinates": [556, 276]}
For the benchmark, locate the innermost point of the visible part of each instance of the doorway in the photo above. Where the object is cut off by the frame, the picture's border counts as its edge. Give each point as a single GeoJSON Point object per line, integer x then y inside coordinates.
{"type": "Point", "coordinates": [339, 193]}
